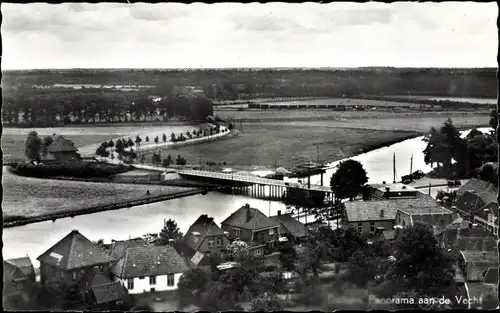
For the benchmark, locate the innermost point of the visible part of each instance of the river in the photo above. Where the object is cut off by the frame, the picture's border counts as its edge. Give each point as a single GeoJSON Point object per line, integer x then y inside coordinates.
{"type": "Point", "coordinates": [34, 239]}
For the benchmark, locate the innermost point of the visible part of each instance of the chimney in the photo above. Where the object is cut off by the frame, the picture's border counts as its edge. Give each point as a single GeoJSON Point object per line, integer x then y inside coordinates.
{"type": "Point", "coordinates": [279, 212]}
{"type": "Point", "coordinates": [383, 182]}
{"type": "Point", "coordinates": [404, 186]}
{"type": "Point", "coordinates": [171, 242]}
{"type": "Point", "coordinates": [74, 231]}
{"type": "Point", "coordinates": [381, 213]}
{"type": "Point", "coordinates": [387, 189]}
{"type": "Point", "coordinates": [249, 213]}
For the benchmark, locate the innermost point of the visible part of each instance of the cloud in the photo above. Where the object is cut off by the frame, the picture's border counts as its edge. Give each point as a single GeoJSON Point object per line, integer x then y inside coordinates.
{"type": "Point", "coordinates": [272, 34]}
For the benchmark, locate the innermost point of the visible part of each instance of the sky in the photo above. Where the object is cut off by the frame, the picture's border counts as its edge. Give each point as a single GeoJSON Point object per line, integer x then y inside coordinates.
{"type": "Point", "coordinates": [111, 35]}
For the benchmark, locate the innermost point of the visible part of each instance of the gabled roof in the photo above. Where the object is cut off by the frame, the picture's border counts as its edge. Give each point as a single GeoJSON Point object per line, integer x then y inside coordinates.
{"type": "Point", "coordinates": [61, 144]}
{"type": "Point", "coordinates": [24, 264]}
{"type": "Point", "coordinates": [477, 186]}
{"type": "Point", "coordinates": [74, 251]}
{"type": "Point", "coordinates": [205, 227]}
{"type": "Point", "coordinates": [11, 272]}
{"type": "Point", "coordinates": [118, 247]}
{"type": "Point", "coordinates": [469, 202]}
{"type": "Point", "coordinates": [294, 227]}
{"type": "Point", "coordinates": [108, 292]}
{"type": "Point", "coordinates": [149, 261]}
{"type": "Point", "coordinates": [247, 217]}
{"type": "Point", "coordinates": [92, 280]}
{"type": "Point", "coordinates": [490, 208]}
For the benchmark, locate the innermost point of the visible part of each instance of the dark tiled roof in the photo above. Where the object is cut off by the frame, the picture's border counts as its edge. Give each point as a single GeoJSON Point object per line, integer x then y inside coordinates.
{"type": "Point", "coordinates": [478, 186]}
{"type": "Point", "coordinates": [206, 227]}
{"type": "Point", "coordinates": [10, 272]}
{"type": "Point", "coordinates": [257, 219]}
{"type": "Point", "coordinates": [371, 210]}
{"type": "Point", "coordinates": [491, 208]}
{"type": "Point", "coordinates": [108, 292]}
{"type": "Point", "coordinates": [477, 243]}
{"type": "Point", "coordinates": [469, 202]}
{"type": "Point", "coordinates": [296, 228]}
{"type": "Point", "coordinates": [74, 251]}
{"type": "Point", "coordinates": [92, 280]}
{"type": "Point", "coordinates": [61, 144]}
{"type": "Point", "coordinates": [24, 264]}
{"type": "Point", "coordinates": [118, 247]}
{"type": "Point", "coordinates": [149, 261]}
{"type": "Point", "coordinates": [491, 276]}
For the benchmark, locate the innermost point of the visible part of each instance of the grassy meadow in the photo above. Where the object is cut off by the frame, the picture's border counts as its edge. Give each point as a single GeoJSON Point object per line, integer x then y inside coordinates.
{"type": "Point", "coordinates": [27, 196]}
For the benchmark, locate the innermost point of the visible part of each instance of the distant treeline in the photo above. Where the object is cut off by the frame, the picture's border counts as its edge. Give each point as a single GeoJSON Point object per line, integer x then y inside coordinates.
{"type": "Point", "coordinates": [230, 84]}
{"type": "Point", "coordinates": [28, 106]}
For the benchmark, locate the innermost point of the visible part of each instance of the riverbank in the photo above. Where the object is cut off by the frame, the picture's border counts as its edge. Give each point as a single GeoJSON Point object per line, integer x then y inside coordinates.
{"type": "Point", "coordinates": [95, 209]}
{"type": "Point", "coordinates": [30, 197]}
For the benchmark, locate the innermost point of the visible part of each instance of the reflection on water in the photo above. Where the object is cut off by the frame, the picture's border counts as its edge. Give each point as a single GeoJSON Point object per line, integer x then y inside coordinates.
{"type": "Point", "coordinates": [34, 239]}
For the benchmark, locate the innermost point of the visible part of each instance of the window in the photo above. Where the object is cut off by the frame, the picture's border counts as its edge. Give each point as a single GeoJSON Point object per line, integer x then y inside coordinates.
{"type": "Point", "coordinates": [210, 243]}
{"type": "Point", "coordinates": [372, 227]}
{"type": "Point", "coordinates": [360, 227]}
{"type": "Point", "coordinates": [152, 290]}
{"type": "Point", "coordinates": [130, 284]}
{"type": "Point", "coordinates": [258, 251]}
{"type": "Point", "coordinates": [152, 280]}
{"type": "Point", "coordinates": [82, 271]}
{"type": "Point", "coordinates": [236, 232]}
{"type": "Point", "coordinates": [219, 241]}
{"type": "Point", "coordinates": [170, 279]}
{"type": "Point", "coordinates": [404, 223]}
{"type": "Point", "coordinates": [271, 232]}
{"type": "Point", "coordinates": [74, 275]}
{"type": "Point", "coordinates": [142, 277]}
{"type": "Point", "coordinates": [62, 275]}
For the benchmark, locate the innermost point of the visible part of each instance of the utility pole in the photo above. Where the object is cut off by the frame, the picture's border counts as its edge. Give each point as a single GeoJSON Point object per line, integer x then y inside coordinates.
{"type": "Point", "coordinates": [317, 151]}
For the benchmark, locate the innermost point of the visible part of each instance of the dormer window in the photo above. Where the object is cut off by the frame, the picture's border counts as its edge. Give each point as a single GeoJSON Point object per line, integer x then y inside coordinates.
{"type": "Point", "coordinates": [237, 232]}
{"type": "Point", "coordinates": [211, 243]}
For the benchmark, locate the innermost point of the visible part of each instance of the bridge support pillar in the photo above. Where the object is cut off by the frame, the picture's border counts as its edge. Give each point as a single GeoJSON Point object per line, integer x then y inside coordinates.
{"type": "Point", "coordinates": [321, 179]}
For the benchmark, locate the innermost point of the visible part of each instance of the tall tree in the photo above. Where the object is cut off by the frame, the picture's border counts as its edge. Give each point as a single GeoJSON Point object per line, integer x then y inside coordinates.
{"type": "Point", "coordinates": [494, 119]}
{"type": "Point", "coordinates": [47, 141]}
{"type": "Point", "coordinates": [348, 181]}
{"type": "Point", "coordinates": [33, 147]}
{"type": "Point", "coordinates": [169, 231]}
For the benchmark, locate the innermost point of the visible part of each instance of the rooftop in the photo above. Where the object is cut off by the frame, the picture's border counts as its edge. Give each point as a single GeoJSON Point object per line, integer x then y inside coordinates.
{"type": "Point", "coordinates": [24, 264]}
{"type": "Point", "coordinates": [296, 228]}
{"type": "Point", "coordinates": [477, 186]}
{"type": "Point", "coordinates": [427, 210]}
{"type": "Point", "coordinates": [74, 251]}
{"type": "Point", "coordinates": [480, 256]}
{"type": "Point", "coordinates": [149, 261]}
{"type": "Point", "coordinates": [247, 217]}
{"type": "Point", "coordinates": [204, 226]}
{"type": "Point", "coordinates": [108, 292]}
{"type": "Point", "coordinates": [61, 144]}
{"type": "Point", "coordinates": [397, 187]}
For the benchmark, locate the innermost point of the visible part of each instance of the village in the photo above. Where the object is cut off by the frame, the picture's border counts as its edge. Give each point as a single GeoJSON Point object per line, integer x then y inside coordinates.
{"type": "Point", "coordinates": [77, 273]}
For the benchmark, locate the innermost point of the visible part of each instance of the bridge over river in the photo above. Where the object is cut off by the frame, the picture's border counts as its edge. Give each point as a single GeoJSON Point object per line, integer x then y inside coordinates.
{"type": "Point", "coordinates": [259, 187]}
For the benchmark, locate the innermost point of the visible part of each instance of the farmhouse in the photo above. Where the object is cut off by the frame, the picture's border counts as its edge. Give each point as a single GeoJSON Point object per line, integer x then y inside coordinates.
{"type": "Point", "coordinates": [437, 217]}
{"type": "Point", "coordinates": [290, 226]}
{"type": "Point", "coordinates": [71, 259]}
{"type": "Point", "coordinates": [62, 150]}
{"type": "Point", "coordinates": [204, 238]}
{"type": "Point", "coordinates": [149, 269]}
{"type": "Point", "coordinates": [369, 216]}
{"type": "Point", "coordinates": [253, 227]}
{"type": "Point", "coordinates": [18, 280]}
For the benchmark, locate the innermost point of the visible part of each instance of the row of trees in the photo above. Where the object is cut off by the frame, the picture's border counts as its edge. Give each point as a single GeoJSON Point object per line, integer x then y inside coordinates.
{"type": "Point", "coordinates": [251, 83]}
{"type": "Point", "coordinates": [25, 105]}
{"type": "Point", "coordinates": [458, 157]}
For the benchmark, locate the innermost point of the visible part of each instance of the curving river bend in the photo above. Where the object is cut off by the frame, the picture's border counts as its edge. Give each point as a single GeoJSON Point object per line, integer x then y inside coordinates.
{"type": "Point", "coordinates": [34, 239]}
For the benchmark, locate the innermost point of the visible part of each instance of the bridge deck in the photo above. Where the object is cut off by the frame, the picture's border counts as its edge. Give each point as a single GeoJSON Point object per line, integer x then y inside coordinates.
{"type": "Point", "coordinates": [251, 179]}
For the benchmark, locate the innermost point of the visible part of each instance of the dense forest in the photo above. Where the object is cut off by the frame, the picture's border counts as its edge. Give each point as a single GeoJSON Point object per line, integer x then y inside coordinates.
{"type": "Point", "coordinates": [27, 101]}
{"type": "Point", "coordinates": [250, 83]}
{"type": "Point", "coordinates": [28, 106]}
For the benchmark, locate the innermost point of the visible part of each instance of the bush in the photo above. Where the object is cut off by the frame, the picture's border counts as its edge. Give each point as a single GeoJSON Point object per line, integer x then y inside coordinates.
{"type": "Point", "coordinates": [81, 170]}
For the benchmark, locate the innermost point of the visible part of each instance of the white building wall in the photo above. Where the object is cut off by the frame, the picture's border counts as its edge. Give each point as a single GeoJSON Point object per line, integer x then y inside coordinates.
{"type": "Point", "coordinates": [142, 285]}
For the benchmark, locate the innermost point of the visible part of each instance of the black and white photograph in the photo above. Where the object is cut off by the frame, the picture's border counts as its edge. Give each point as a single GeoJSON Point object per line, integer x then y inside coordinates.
{"type": "Point", "coordinates": [250, 157]}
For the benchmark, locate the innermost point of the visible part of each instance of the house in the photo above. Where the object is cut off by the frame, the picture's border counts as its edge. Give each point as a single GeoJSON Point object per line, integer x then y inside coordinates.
{"type": "Point", "coordinates": [475, 263]}
{"type": "Point", "coordinates": [18, 280]}
{"type": "Point", "coordinates": [253, 227]}
{"type": "Point", "coordinates": [118, 247]}
{"type": "Point", "coordinates": [487, 216]}
{"type": "Point", "coordinates": [70, 260]}
{"type": "Point", "coordinates": [474, 238]}
{"type": "Point", "coordinates": [392, 191]}
{"type": "Point", "coordinates": [437, 217]}
{"type": "Point", "coordinates": [62, 150]}
{"type": "Point", "coordinates": [149, 269]}
{"type": "Point", "coordinates": [367, 216]}
{"type": "Point", "coordinates": [373, 216]}
{"type": "Point", "coordinates": [99, 291]}
{"type": "Point", "coordinates": [475, 185]}
{"type": "Point", "coordinates": [205, 237]}
{"type": "Point", "coordinates": [290, 227]}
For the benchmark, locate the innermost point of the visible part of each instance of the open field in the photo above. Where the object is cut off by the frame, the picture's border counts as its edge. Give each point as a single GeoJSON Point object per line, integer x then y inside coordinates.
{"type": "Point", "coordinates": [290, 139]}
{"type": "Point", "coordinates": [251, 115]}
{"type": "Point", "coordinates": [26, 196]}
{"type": "Point", "coordinates": [265, 144]}
{"type": "Point", "coordinates": [457, 99]}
